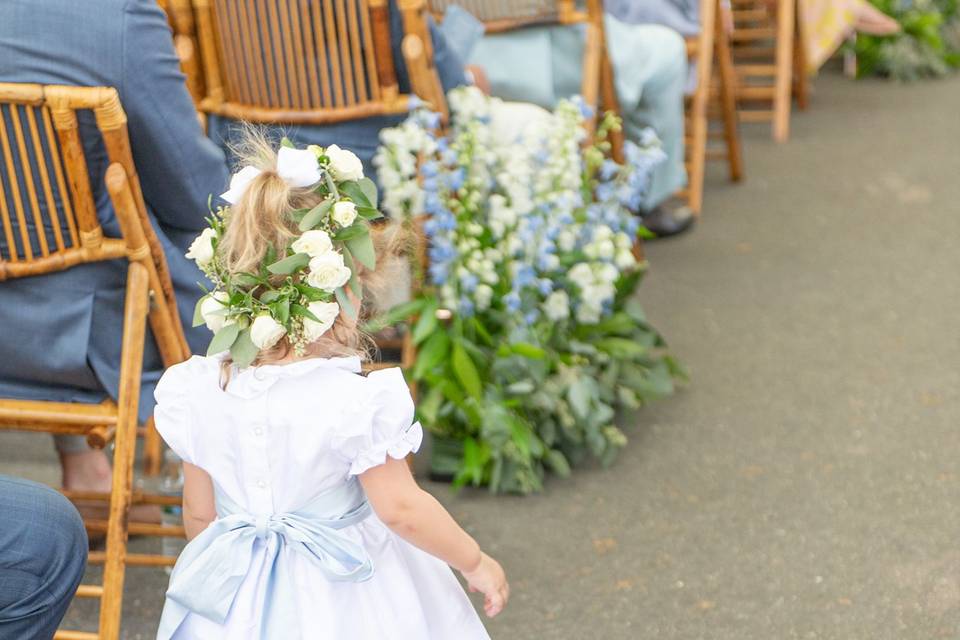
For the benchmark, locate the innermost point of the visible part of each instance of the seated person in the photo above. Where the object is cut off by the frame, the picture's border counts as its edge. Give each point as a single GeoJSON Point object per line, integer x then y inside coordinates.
{"type": "Point", "coordinates": [43, 553]}
{"type": "Point", "coordinates": [650, 68]}
{"type": "Point", "coordinates": [61, 332]}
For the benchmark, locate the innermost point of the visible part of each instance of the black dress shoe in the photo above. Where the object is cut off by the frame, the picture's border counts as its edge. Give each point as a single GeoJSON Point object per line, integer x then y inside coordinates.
{"type": "Point", "coordinates": [665, 221]}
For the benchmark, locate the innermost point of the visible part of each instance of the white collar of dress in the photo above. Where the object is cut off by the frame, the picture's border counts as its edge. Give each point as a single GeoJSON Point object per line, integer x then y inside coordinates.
{"type": "Point", "coordinates": [254, 381]}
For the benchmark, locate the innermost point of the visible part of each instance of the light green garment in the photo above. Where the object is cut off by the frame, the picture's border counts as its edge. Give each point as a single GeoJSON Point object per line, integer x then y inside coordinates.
{"type": "Point", "coordinates": [543, 64]}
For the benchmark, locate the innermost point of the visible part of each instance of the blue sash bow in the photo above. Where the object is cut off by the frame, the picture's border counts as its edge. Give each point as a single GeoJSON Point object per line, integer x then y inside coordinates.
{"type": "Point", "coordinates": [213, 565]}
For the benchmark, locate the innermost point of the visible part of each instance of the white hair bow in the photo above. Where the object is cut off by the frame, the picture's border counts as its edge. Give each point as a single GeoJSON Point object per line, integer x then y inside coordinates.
{"type": "Point", "coordinates": [297, 167]}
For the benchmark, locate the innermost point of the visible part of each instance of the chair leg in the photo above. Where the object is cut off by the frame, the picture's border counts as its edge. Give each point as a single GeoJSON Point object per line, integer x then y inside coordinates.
{"type": "Point", "coordinates": [134, 332]}
{"type": "Point", "coordinates": [728, 99]}
{"type": "Point", "coordinates": [152, 449]}
{"type": "Point", "coordinates": [783, 83]}
{"type": "Point", "coordinates": [801, 77]}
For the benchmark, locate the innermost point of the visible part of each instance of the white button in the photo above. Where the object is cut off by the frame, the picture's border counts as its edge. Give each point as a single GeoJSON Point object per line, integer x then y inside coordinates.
{"type": "Point", "coordinates": [258, 431]}
{"type": "Point", "coordinates": [262, 484]}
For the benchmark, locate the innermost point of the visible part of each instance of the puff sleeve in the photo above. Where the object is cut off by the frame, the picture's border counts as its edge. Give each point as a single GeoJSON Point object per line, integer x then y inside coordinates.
{"type": "Point", "coordinates": [172, 415]}
{"type": "Point", "coordinates": [379, 423]}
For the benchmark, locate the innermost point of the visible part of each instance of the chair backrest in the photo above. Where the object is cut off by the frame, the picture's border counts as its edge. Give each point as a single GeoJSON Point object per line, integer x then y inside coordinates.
{"type": "Point", "coordinates": [47, 208]}
{"type": "Point", "coordinates": [507, 15]}
{"type": "Point", "coordinates": [298, 61]}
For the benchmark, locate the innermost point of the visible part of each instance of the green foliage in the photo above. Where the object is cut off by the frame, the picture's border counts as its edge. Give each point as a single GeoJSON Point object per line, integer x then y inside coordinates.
{"type": "Point", "coordinates": [927, 46]}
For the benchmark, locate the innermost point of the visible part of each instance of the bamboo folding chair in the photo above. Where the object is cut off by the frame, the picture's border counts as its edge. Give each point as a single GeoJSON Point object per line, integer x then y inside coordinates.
{"type": "Point", "coordinates": [308, 62]}
{"type": "Point", "coordinates": [764, 58]}
{"type": "Point", "coordinates": [597, 88]}
{"type": "Point", "coordinates": [45, 186]}
{"type": "Point", "coordinates": [182, 23]}
{"type": "Point", "coordinates": [709, 46]}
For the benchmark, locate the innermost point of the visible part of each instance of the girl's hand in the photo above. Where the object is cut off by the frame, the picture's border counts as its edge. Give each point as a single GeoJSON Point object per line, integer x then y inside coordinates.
{"type": "Point", "coordinates": [489, 579]}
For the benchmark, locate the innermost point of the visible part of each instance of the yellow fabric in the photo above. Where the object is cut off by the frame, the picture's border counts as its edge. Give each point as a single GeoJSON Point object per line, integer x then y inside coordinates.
{"type": "Point", "coordinates": [824, 24]}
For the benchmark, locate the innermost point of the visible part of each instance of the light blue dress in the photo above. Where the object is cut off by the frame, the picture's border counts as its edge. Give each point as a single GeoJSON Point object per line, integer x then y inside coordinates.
{"type": "Point", "coordinates": [296, 551]}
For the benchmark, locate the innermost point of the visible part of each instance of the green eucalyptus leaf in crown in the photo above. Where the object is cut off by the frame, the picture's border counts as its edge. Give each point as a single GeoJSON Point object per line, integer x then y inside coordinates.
{"type": "Point", "coordinates": [298, 293]}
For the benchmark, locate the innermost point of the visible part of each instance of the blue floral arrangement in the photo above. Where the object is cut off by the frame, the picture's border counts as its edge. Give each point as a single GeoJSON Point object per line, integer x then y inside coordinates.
{"type": "Point", "coordinates": [530, 337]}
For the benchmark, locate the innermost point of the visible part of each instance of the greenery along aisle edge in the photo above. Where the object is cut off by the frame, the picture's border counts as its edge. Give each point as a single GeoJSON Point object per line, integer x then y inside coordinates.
{"type": "Point", "coordinates": [928, 45]}
{"type": "Point", "coordinates": [530, 252]}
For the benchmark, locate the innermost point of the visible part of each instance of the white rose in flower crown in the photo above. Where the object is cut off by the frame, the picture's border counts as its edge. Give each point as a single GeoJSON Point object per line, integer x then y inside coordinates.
{"type": "Point", "coordinates": [265, 331]}
{"type": "Point", "coordinates": [344, 213]}
{"type": "Point", "coordinates": [328, 272]}
{"type": "Point", "coordinates": [557, 306]}
{"type": "Point", "coordinates": [326, 312]}
{"type": "Point", "coordinates": [344, 165]}
{"type": "Point", "coordinates": [313, 243]}
{"type": "Point", "coordinates": [201, 249]}
{"type": "Point", "coordinates": [213, 308]}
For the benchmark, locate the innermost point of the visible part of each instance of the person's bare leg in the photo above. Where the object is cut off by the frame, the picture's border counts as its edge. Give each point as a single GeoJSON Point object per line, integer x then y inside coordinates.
{"type": "Point", "coordinates": [85, 470]}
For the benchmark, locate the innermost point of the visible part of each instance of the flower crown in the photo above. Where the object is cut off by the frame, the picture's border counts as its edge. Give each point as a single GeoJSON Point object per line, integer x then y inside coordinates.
{"type": "Point", "coordinates": [298, 293]}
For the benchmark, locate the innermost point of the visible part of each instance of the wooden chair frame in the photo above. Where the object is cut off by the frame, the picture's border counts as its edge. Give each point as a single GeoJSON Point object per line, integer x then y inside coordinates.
{"type": "Point", "coordinates": [149, 296]}
{"type": "Point", "coordinates": [281, 81]}
{"type": "Point", "coordinates": [711, 45]}
{"type": "Point", "coordinates": [754, 31]}
{"type": "Point", "coordinates": [597, 85]}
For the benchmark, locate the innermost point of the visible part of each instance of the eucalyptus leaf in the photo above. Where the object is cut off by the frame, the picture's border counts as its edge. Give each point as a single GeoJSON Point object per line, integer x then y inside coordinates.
{"type": "Point", "coordinates": [303, 312]}
{"type": "Point", "coordinates": [362, 249]}
{"type": "Point", "coordinates": [345, 303]}
{"type": "Point", "coordinates": [369, 213]}
{"type": "Point", "coordinates": [285, 142]}
{"type": "Point", "coordinates": [289, 264]}
{"type": "Point", "coordinates": [243, 351]}
{"type": "Point", "coordinates": [245, 279]}
{"type": "Point", "coordinates": [223, 339]}
{"type": "Point", "coordinates": [197, 316]}
{"type": "Point", "coordinates": [369, 190]}
{"type": "Point", "coordinates": [269, 296]}
{"type": "Point", "coordinates": [313, 217]}
{"type": "Point", "coordinates": [354, 282]}
{"type": "Point", "coordinates": [355, 192]}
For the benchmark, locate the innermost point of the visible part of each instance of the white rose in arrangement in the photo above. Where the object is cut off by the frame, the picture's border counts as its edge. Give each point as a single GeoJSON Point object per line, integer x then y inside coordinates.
{"type": "Point", "coordinates": [313, 243]}
{"type": "Point", "coordinates": [582, 275]}
{"type": "Point", "coordinates": [625, 260]}
{"type": "Point", "coordinates": [201, 249]}
{"type": "Point", "coordinates": [328, 272]}
{"type": "Point", "coordinates": [213, 309]}
{"type": "Point", "coordinates": [265, 331]}
{"type": "Point", "coordinates": [605, 249]}
{"type": "Point", "coordinates": [344, 165]}
{"type": "Point", "coordinates": [344, 213]}
{"type": "Point", "coordinates": [326, 312]}
{"type": "Point", "coordinates": [557, 306]}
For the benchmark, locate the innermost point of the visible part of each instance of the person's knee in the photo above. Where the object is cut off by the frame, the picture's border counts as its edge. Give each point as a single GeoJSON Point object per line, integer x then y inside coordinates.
{"type": "Point", "coordinates": [67, 535]}
{"type": "Point", "coordinates": [46, 519]}
{"type": "Point", "coordinates": [669, 49]}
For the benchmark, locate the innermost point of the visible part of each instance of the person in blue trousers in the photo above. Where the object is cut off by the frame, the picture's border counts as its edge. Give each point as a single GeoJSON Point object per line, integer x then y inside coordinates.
{"type": "Point", "coordinates": [43, 553]}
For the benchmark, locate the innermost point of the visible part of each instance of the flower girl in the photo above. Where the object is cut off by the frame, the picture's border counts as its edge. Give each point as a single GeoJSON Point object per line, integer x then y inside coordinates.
{"type": "Point", "coordinates": [303, 518]}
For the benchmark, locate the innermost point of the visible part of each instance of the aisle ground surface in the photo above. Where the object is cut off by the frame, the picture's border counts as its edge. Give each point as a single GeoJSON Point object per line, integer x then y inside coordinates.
{"type": "Point", "coordinates": [807, 482]}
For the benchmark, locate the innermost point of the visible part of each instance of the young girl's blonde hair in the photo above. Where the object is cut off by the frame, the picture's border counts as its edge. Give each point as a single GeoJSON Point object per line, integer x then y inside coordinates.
{"type": "Point", "coordinates": [262, 218]}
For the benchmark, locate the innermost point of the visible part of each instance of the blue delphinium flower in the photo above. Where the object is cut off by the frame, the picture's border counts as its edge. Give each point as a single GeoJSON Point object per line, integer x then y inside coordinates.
{"type": "Point", "coordinates": [465, 307]}
{"type": "Point", "coordinates": [512, 301]}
